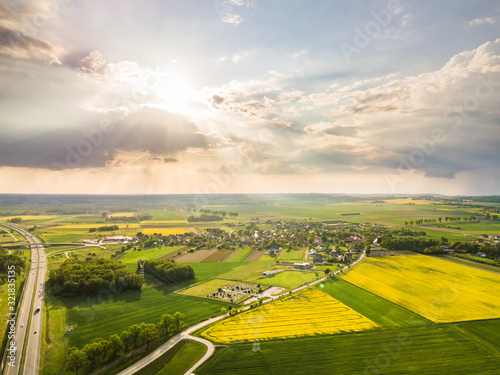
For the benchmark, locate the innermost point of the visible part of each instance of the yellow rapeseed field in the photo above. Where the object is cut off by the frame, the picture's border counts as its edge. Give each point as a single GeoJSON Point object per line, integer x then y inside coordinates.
{"type": "Point", "coordinates": [165, 231]}
{"type": "Point", "coordinates": [436, 289]}
{"type": "Point", "coordinates": [309, 313]}
{"type": "Point", "coordinates": [30, 217]}
{"type": "Point", "coordinates": [122, 214]}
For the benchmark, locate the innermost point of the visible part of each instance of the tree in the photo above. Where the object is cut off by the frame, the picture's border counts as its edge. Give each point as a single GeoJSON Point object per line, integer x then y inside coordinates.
{"type": "Point", "coordinates": [94, 354]}
{"type": "Point", "coordinates": [368, 250]}
{"type": "Point", "coordinates": [149, 333]}
{"type": "Point", "coordinates": [440, 219]}
{"type": "Point", "coordinates": [165, 324]}
{"type": "Point", "coordinates": [76, 360]}
{"type": "Point", "coordinates": [135, 334]}
{"type": "Point", "coordinates": [178, 323]}
{"type": "Point", "coordinates": [327, 271]}
{"type": "Point", "coordinates": [127, 340]}
{"type": "Point", "coordinates": [116, 347]}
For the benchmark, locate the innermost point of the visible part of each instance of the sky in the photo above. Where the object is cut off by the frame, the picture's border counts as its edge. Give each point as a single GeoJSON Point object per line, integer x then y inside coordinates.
{"type": "Point", "coordinates": [249, 96]}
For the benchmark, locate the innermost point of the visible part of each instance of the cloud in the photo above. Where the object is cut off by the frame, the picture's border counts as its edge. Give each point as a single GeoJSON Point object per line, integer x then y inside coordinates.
{"type": "Point", "coordinates": [20, 46]}
{"type": "Point", "coordinates": [170, 160]}
{"type": "Point", "coordinates": [233, 19]}
{"type": "Point", "coordinates": [150, 131]}
{"type": "Point", "coordinates": [237, 58]}
{"type": "Point", "coordinates": [481, 21]}
{"type": "Point", "coordinates": [299, 53]}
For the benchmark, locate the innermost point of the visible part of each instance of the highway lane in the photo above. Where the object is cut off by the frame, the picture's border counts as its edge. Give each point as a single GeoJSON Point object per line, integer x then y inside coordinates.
{"type": "Point", "coordinates": [36, 275]}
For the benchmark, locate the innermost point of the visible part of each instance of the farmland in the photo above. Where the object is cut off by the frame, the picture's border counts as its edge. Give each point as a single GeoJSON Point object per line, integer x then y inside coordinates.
{"type": "Point", "coordinates": [390, 296]}
{"type": "Point", "coordinates": [433, 288]}
{"type": "Point", "coordinates": [382, 312]}
{"type": "Point", "coordinates": [457, 348]}
{"type": "Point", "coordinates": [292, 255]}
{"type": "Point", "coordinates": [177, 360]}
{"type": "Point", "coordinates": [103, 316]}
{"type": "Point", "coordinates": [309, 313]}
{"type": "Point", "coordinates": [289, 279]}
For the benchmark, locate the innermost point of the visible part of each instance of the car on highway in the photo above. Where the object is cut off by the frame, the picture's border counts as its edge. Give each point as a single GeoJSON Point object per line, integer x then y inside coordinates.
{"type": "Point", "coordinates": [22, 325]}
{"type": "Point", "coordinates": [35, 333]}
{"type": "Point", "coordinates": [37, 310]}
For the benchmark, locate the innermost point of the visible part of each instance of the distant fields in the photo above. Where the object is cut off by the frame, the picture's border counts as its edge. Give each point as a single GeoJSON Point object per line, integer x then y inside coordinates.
{"type": "Point", "coordinates": [308, 313]}
{"type": "Point", "coordinates": [457, 348]}
{"type": "Point", "coordinates": [436, 289]}
{"type": "Point", "coordinates": [165, 231]}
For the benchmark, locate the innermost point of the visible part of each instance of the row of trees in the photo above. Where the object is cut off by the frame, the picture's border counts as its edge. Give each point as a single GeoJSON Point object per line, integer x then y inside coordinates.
{"type": "Point", "coordinates": [440, 219]}
{"type": "Point", "coordinates": [218, 213]}
{"type": "Point", "coordinates": [77, 278]}
{"type": "Point", "coordinates": [102, 351]}
{"type": "Point", "coordinates": [107, 228]}
{"type": "Point", "coordinates": [204, 217]}
{"type": "Point", "coordinates": [167, 270]}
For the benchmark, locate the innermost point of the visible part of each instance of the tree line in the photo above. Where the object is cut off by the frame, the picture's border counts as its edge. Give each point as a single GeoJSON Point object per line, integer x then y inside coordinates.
{"type": "Point", "coordinates": [204, 217]}
{"type": "Point", "coordinates": [103, 351]}
{"type": "Point", "coordinates": [167, 270]}
{"type": "Point", "coordinates": [77, 278]}
{"type": "Point", "coordinates": [106, 228]}
{"type": "Point", "coordinates": [440, 219]}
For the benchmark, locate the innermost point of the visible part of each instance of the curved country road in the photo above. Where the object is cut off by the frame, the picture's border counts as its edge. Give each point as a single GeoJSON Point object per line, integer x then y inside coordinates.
{"type": "Point", "coordinates": [186, 334]}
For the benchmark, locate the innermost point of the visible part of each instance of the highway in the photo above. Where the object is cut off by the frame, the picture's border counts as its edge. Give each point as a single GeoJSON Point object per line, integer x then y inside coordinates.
{"type": "Point", "coordinates": [31, 300]}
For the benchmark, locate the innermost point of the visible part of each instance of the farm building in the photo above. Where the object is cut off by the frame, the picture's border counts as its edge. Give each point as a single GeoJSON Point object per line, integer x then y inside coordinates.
{"type": "Point", "coordinates": [302, 265]}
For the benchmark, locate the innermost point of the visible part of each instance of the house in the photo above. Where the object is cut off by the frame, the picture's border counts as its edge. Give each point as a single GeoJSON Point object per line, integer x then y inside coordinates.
{"type": "Point", "coordinates": [481, 254]}
{"type": "Point", "coordinates": [349, 239]}
{"type": "Point", "coordinates": [377, 241]}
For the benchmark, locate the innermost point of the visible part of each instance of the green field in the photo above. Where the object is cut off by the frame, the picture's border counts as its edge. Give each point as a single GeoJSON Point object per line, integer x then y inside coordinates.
{"type": "Point", "coordinates": [457, 348]}
{"type": "Point", "coordinates": [292, 255]}
{"type": "Point", "coordinates": [130, 257]}
{"type": "Point", "coordinates": [94, 317]}
{"type": "Point", "coordinates": [177, 360]}
{"type": "Point", "coordinates": [290, 279]}
{"type": "Point", "coordinates": [384, 313]}
{"type": "Point", "coordinates": [240, 255]}
{"type": "Point", "coordinates": [55, 348]}
{"type": "Point", "coordinates": [248, 271]}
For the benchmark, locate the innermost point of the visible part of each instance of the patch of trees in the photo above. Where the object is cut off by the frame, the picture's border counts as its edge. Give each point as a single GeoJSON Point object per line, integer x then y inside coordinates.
{"type": "Point", "coordinates": [129, 219]}
{"type": "Point", "coordinates": [8, 260]}
{"type": "Point", "coordinates": [408, 243]}
{"type": "Point", "coordinates": [14, 220]}
{"type": "Point", "coordinates": [89, 277]}
{"type": "Point", "coordinates": [103, 351]}
{"type": "Point", "coordinates": [204, 217]}
{"type": "Point", "coordinates": [167, 270]}
{"type": "Point", "coordinates": [108, 228]}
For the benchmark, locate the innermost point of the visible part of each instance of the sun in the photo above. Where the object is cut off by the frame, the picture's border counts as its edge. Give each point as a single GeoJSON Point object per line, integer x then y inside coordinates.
{"type": "Point", "coordinates": [175, 92]}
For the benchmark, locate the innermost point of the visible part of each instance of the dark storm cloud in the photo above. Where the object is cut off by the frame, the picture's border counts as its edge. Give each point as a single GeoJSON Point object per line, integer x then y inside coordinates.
{"type": "Point", "coordinates": [149, 130]}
